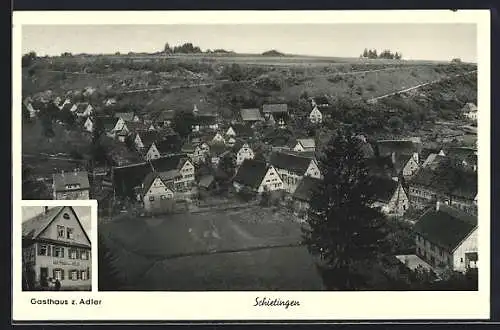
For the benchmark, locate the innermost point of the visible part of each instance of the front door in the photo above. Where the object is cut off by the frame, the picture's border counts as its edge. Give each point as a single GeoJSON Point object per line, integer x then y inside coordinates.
{"type": "Point", "coordinates": [44, 274]}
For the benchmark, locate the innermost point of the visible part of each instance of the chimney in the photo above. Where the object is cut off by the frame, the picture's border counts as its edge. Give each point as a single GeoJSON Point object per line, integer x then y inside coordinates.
{"type": "Point", "coordinates": [437, 205]}
{"type": "Point", "coordinates": [45, 209]}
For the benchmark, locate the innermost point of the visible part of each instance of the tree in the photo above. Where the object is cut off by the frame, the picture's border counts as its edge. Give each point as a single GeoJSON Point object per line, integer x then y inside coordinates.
{"type": "Point", "coordinates": [26, 114]}
{"type": "Point", "coordinates": [183, 123]}
{"type": "Point", "coordinates": [28, 59]}
{"type": "Point", "coordinates": [167, 49]}
{"type": "Point", "coordinates": [228, 164]}
{"type": "Point", "coordinates": [344, 230]}
{"type": "Point", "coordinates": [365, 53]}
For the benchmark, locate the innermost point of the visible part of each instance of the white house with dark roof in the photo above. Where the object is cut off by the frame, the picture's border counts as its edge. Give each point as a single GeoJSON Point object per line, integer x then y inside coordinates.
{"type": "Point", "coordinates": [292, 168]}
{"type": "Point", "coordinates": [159, 191]}
{"type": "Point", "coordinates": [71, 185]}
{"type": "Point", "coordinates": [218, 138]}
{"type": "Point", "coordinates": [315, 116]}
{"type": "Point", "coordinates": [89, 125]}
{"type": "Point", "coordinates": [257, 176]}
{"type": "Point", "coordinates": [56, 245]}
{"type": "Point", "coordinates": [447, 238]}
{"type": "Point", "coordinates": [303, 195]}
{"type": "Point", "coordinates": [128, 116]}
{"type": "Point", "coordinates": [243, 152]}
{"type": "Point", "coordinates": [305, 145]}
{"type": "Point", "coordinates": [389, 196]}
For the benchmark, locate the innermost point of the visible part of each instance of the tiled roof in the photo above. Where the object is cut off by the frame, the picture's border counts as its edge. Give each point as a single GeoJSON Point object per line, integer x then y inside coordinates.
{"type": "Point", "coordinates": [148, 137]}
{"type": "Point", "coordinates": [469, 107]}
{"type": "Point", "coordinates": [206, 181]}
{"type": "Point", "coordinates": [166, 177]}
{"type": "Point", "coordinates": [136, 126]}
{"type": "Point", "coordinates": [306, 188]}
{"type": "Point", "coordinates": [251, 173]}
{"type": "Point", "coordinates": [126, 178]}
{"type": "Point", "coordinates": [447, 180]}
{"type": "Point", "coordinates": [275, 108]}
{"type": "Point", "coordinates": [33, 227]}
{"type": "Point", "coordinates": [169, 144]}
{"type": "Point", "coordinates": [383, 188]}
{"type": "Point", "coordinates": [380, 166]}
{"type": "Point", "coordinates": [166, 115]}
{"type": "Point", "coordinates": [108, 123]}
{"type": "Point", "coordinates": [446, 227]}
{"type": "Point", "coordinates": [251, 114]}
{"type": "Point", "coordinates": [76, 177]}
{"type": "Point", "coordinates": [290, 162]}
{"type": "Point", "coordinates": [81, 107]}
{"type": "Point", "coordinates": [242, 130]}
{"type": "Point", "coordinates": [127, 116]}
{"type": "Point", "coordinates": [307, 143]}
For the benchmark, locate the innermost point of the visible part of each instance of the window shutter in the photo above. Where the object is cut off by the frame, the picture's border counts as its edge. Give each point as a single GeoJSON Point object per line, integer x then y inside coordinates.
{"type": "Point", "coordinates": [54, 273]}
{"type": "Point", "coordinates": [62, 274]}
{"type": "Point", "coordinates": [49, 248]}
{"type": "Point", "coordinates": [78, 275]}
{"type": "Point", "coordinates": [88, 273]}
{"type": "Point", "coordinates": [62, 252]}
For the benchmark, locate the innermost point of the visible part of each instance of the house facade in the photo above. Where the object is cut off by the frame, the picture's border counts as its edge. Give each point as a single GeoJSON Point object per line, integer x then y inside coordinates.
{"type": "Point", "coordinates": [158, 196]}
{"type": "Point", "coordinates": [71, 185]}
{"type": "Point", "coordinates": [305, 145]}
{"type": "Point", "coordinates": [218, 138]}
{"type": "Point", "coordinates": [390, 197]}
{"type": "Point", "coordinates": [257, 176]}
{"type": "Point", "coordinates": [446, 237]}
{"type": "Point", "coordinates": [88, 125]}
{"type": "Point", "coordinates": [55, 245]}
{"type": "Point", "coordinates": [293, 168]}
{"type": "Point", "coordinates": [245, 152]}
{"type": "Point", "coordinates": [316, 117]}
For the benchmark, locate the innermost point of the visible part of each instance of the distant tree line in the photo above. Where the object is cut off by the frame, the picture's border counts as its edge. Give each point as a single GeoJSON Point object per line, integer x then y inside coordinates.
{"type": "Point", "coordinates": [385, 54]}
{"type": "Point", "coordinates": [272, 52]}
{"type": "Point", "coordinates": [186, 48]}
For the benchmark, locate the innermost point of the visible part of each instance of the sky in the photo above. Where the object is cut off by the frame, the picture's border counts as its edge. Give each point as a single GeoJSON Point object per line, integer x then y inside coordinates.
{"type": "Point", "coordinates": [83, 213]}
{"type": "Point", "coordinates": [415, 41]}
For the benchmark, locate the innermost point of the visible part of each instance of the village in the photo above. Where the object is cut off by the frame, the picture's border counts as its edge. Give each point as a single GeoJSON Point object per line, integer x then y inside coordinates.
{"type": "Point", "coordinates": [221, 164]}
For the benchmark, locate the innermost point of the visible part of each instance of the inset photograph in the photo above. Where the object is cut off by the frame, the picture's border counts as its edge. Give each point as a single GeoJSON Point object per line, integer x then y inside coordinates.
{"type": "Point", "coordinates": [56, 248]}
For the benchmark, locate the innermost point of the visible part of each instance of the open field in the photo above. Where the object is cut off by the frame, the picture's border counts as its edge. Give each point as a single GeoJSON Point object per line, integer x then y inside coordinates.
{"type": "Point", "coordinates": [252, 249]}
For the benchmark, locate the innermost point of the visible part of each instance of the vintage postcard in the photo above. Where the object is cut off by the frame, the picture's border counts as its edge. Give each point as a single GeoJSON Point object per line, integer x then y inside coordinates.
{"type": "Point", "coordinates": [312, 165]}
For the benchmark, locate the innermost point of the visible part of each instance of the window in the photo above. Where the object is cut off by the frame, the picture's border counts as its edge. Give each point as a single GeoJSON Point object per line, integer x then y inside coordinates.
{"type": "Point", "coordinates": [73, 275]}
{"type": "Point", "coordinates": [461, 260]}
{"type": "Point", "coordinates": [69, 233]}
{"type": "Point", "coordinates": [151, 198]}
{"type": "Point", "coordinates": [42, 250]}
{"type": "Point", "coordinates": [83, 275]}
{"type": "Point", "coordinates": [58, 252]}
{"type": "Point", "coordinates": [84, 255]}
{"type": "Point", "coordinates": [60, 231]}
{"type": "Point", "coordinates": [163, 197]}
{"type": "Point", "coordinates": [58, 274]}
{"type": "Point", "coordinates": [73, 254]}
{"type": "Point", "coordinates": [66, 216]}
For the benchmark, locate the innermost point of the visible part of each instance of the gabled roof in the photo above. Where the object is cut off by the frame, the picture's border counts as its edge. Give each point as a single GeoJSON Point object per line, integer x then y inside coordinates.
{"type": "Point", "coordinates": [290, 162]}
{"type": "Point", "coordinates": [169, 144]}
{"type": "Point", "coordinates": [252, 114]}
{"type": "Point", "coordinates": [126, 178]}
{"type": "Point", "coordinates": [251, 173]}
{"type": "Point", "coordinates": [447, 180]}
{"type": "Point", "coordinates": [400, 161]}
{"type": "Point", "coordinates": [34, 227]}
{"type": "Point", "coordinates": [81, 107]}
{"type": "Point", "coordinates": [75, 177]}
{"type": "Point", "coordinates": [242, 130]}
{"type": "Point", "coordinates": [387, 147]}
{"type": "Point", "coordinates": [307, 143]}
{"type": "Point", "coordinates": [306, 188]}
{"type": "Point", "coordinates": [383, 188]}
{"type": "Point", "coordinates": [275, 108]}
{"type": "Point", "coordinates": [67, 106]}
{"type": "Point", "coordinates": [205, 119]}
{"type": "Point", "coordinates": [148, 137]}
{"type": "Point", "coordinates": [447, 227]}
{"type": "Point", "coordinates": [126, 116]}
{"type": "Point", "coordinates": [108, 123]}
{"type": "Point", "coordinates": [136, 126]}
{"type": "Point", "coordinates": [166, 177]}
{"type": "Point", "coordinates": [217, 149]}
{"type": "Point", "coordinates": [434, 161]}
{"type": "Point", "coordinates": [425, 152]}
{"type": "Point", "coordinates": [206, 181]}
{"type": "Point", "coordinates": [462, 154]}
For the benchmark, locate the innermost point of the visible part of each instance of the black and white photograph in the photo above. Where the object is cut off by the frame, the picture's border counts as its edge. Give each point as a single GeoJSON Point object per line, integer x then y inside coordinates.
{"type": "Point", "coordinates": [291, 155]}
{"type": "Point", "coordinates": [56, 248]}
{"type": "Point", "coordinates": [275, 163]}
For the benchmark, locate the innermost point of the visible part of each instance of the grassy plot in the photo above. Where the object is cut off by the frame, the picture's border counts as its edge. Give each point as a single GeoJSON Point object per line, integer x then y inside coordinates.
{"type": "Point", "coordinates": [249, 248]}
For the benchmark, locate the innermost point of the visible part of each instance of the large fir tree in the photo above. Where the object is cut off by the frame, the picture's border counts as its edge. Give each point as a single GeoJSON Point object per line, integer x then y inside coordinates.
{"type": "Point", "coordinates": [344, 231]}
